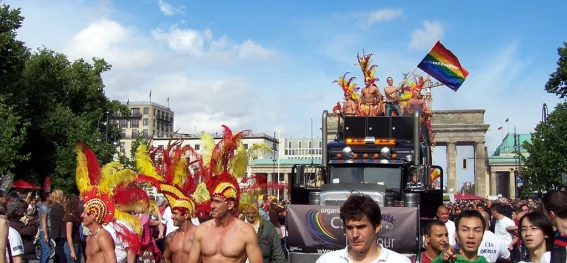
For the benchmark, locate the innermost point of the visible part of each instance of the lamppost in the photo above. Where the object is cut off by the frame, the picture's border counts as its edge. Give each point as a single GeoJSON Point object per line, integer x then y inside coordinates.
{"type": "Point", "coordinates": [274, 159]}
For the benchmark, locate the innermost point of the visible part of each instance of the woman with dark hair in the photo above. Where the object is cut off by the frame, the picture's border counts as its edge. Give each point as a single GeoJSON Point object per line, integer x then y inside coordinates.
{"type": "Point", "coordinates": [537, 234]}
{"type": "Point", "coordinates": [72, 221]}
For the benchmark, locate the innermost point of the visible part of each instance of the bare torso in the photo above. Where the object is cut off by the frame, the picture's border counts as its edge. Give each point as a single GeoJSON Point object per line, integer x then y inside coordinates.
{"type": "Point", "coordinates": [179, 245]}
{"type": "Point", "coordinates": [369, 93]}
{"type": "Point", "coordinates": [391, 94]}
{"type": "Point", "coordinates": [349, 107]}
{"type": "Point", "coordinates": [224, 244]}
{"type": "Point", "coordinates": [94, 250]}
{"type": "Point", "coordinates": [415, 104]}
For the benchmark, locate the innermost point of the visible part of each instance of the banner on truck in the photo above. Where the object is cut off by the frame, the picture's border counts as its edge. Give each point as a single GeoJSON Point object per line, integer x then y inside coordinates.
{"type": "Point", "coordinates": [319, 229]}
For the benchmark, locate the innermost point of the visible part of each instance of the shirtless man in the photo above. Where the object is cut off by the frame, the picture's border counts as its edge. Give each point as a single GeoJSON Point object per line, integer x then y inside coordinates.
{"type": "Point", "coordinates": [225, 238]}
{"type": "Point", "coordinates": [178, 243]}
{"type": "Point", "coordinates": [371, 97]}
{"type": "Point", "coordinates": [349, 106]}
{"type": "Point", "coordinates": [100, 245]}
{"type": "Point", "coordinates": [392, 98]}
{"type": "Point", "coordinates": [417, 103]}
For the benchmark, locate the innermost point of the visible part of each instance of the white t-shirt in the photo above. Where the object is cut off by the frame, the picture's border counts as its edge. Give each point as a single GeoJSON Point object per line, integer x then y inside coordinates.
{"type": "Point", "coordinates": [546, 258]}
{"type": "Point", "coordinates": [119, 249]}
{"type": "Point", "coordinates": [500, 229]}
{"type": "Point", "coordinates": [168, 221]}
{"type": "Point", "coordinates": [450, 225]}
{"type": "Point", "coordinates": [493, 248]}
{"type": "Point", "coordinates": [341, 256]}
{"type": "Point", "coordinates": [16, 244]}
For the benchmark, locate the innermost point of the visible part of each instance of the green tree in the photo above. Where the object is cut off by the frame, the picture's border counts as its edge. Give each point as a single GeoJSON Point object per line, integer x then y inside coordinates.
{"type": "Point", "coordinates": [56, 103]}
{"type": "Point", "coordinates": [547, 159]}
{"type": "Point", "coordinates": [129, 159]}
{"type": "Point", "coordinates": [12, 136]}
{"type": "Point", "coordinates": [557, 83]}
{"type": "Point", "coordinates": [548, 153]}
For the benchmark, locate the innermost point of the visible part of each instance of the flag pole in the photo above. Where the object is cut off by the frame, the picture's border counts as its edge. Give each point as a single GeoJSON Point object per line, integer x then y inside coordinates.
{"type": "Point", "coordinates": [408, 76]}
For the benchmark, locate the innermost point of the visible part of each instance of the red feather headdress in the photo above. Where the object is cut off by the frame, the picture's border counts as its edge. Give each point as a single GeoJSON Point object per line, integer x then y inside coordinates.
{"type": "Point", "coordinates": [108, 195]}
{"type": "Point", "coordinates": [367, 69]}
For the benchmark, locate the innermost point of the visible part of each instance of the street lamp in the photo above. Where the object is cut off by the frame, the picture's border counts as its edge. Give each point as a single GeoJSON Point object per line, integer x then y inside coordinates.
{"type": "Point", "coordinates": [274, 159]}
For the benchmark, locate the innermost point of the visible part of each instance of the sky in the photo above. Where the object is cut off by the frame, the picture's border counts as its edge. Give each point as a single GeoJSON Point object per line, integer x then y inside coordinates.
{"type": "Point", "coordinates": [269, 65]}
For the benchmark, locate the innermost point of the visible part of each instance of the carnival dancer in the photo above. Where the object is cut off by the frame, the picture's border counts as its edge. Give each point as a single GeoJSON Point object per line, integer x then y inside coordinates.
{"type": "Point", "coordinates": [106, 194]}
{"type": "Point", "coordinates": [371, 103]}
{"type": "Point", "coordinates": [350, 95]}
{"type": "Point", "coordinates": [391, 93]}
{"type": "Point", "coordinates": [225, 238]}
{"type": "Point", "coordinates": [171, 177]}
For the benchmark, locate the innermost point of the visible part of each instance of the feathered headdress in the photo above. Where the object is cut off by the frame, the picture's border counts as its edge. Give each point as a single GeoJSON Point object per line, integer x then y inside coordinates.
{"type": "Point", "coordinates": [367, 69]}
{"type": "Point", "coordinates": [169, 171]}
{"type": "Point", "coordinates": [108, 195]}
{"type": "Point", "coordinates": [349, 87]}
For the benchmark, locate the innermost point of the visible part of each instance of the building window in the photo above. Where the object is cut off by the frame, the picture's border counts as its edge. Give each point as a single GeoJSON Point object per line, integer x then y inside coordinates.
{"type": "Point", "coordinates": [310, 145]}
{"type": "Point", "coordinates": [146, 110]}
{"type": "Point", "coordinates": [246, 146]}
{"type": "Point", "coordinates": [289, 145]}
{"type": "Point", "coordinates": [197, 147]}
{"type": "Point", "coordinates": [134, 134]}
{"type": "Point", "coordinates": [135, 123]}
{"type": "Point", "coordinates": [123, 123]}
{"type": "Point", "coordinates": [123, 134]}
{"type": "Point", "coordinates": [136, 112]}
{"type": "Point", "coordinates": [145, 122]}
{"type": "Point", "coordinates": [153, 133]}
{"type": "Point", "coordinates": [299, 145]}
{"type": "Point", "coordinates": [320, 144]}
{"type": "Point", "coordinates": [145, 133]}
{"type": "Point", "coordinates": [154, 112]}
{"type": "Point", "coordinates": [154, 123]}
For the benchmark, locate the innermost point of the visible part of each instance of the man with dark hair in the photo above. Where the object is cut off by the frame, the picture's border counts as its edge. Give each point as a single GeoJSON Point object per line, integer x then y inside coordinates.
{"type": "Point", "coordinates": [437, 240]}
{"type": "Point", "coordinates": [27, 230]}
{"type": "Point", "coordinates": [491, 247]}
{"type": "Point", "coordinates": [470, 225]}
{"type": "Point", "coordinates": [362, 218]}
{"type": "Point", "coordinates": [504, 226]}
{"type": "Point", "coordinates": [555, 207]}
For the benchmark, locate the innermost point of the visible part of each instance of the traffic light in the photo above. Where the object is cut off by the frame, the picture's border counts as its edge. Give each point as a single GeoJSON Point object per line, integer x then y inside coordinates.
{"type": "Point", "coordinates": [465, 164]}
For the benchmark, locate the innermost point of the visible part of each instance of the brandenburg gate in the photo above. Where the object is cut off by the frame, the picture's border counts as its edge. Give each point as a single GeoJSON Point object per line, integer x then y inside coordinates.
{"type": "Point", "coordinates": [463, 128]}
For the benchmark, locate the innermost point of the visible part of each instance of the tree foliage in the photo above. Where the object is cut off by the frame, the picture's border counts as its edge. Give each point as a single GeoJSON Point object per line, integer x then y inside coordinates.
{"type": "Point", "coordinates": [547, 159]}
{"type": "Point", "coordinates": [12, 136]}
{"type": "Point", "coordinates": [557, 83]}
{"type": "Point", "coordinates": [55, 103]}
{"type": "Point", "coordinates": [548, 153]}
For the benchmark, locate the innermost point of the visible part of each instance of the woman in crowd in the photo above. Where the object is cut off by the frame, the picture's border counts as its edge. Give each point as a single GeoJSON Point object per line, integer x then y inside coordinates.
{"type": "Point", "coordinates": [536, 231]}
{"type": "Point", "coordinates": [57, 214]}
{"type": "Point", "coordinates": [72, 221]}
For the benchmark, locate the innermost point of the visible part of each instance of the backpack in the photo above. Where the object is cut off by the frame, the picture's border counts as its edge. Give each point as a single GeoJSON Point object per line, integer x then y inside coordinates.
{"type": "Point", "coordinates": [558, 255]}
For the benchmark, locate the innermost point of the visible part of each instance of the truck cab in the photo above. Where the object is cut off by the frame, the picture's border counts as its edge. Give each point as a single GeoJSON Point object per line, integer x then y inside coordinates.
{"type": "Point", "coordinates": [387, 158]}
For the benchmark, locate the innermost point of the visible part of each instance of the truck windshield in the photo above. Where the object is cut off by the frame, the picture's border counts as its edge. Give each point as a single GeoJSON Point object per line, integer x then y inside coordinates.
{"type": "Point", "coordinates": [390, 177]}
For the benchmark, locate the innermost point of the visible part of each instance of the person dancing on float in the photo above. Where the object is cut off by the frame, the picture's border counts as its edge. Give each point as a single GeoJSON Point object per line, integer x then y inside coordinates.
{"type": "Point", "coordinates": [371, 103]}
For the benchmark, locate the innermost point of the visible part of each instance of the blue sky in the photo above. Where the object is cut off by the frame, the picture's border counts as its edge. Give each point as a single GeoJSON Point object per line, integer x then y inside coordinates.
{"type": "Point", "coordinates": [264, 65]}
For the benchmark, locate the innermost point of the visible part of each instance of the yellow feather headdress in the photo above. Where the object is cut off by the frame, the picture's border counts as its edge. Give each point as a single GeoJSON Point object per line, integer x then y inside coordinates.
{"type": "Point", "coordinates": [348, 86]}
{"type": "Point", "coordinates": [367, 70]}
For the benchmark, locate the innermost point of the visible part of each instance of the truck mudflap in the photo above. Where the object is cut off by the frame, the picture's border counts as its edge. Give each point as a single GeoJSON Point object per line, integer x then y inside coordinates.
{"type": "Point", "coordinates": [314, 230]}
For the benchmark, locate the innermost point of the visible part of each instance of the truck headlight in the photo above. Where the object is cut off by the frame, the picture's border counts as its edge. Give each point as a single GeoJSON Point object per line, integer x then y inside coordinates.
{"type": "Point", "coordinates": [385, 152]}
{"type": "Point", "coordinates": [408, 158]}
{"type": "Point", "coordinates": [347, 153]}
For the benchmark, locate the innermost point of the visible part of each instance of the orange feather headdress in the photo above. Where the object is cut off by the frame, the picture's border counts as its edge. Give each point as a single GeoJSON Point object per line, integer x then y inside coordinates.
{"type": "Point", "coordinates": [169, 171]}
{"type": "Point", "coordinates": [108, 195]}
{"type": "Point", "coordinates": [367, 69]}
{"type": "Point", "coordinates": [349, 87]}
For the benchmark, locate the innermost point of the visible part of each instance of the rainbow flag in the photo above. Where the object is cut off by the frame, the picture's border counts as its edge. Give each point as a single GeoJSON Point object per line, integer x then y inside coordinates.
{"type": "Point", "coordinates": [444, 66]}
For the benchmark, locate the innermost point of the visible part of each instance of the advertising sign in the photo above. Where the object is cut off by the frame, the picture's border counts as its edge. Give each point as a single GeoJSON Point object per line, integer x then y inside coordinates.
{"type": "Point", "coordinates": [319, 229]}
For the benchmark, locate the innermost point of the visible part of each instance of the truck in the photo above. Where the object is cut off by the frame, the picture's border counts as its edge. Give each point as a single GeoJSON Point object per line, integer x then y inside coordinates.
{"type": "Point", "coordinates": [373, 155]}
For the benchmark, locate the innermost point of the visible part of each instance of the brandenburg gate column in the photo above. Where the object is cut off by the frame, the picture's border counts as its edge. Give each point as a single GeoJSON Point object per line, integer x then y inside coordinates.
{"type": "Point", "coordinates": [512, 185]}
{"type": "Point", "coordinates": [493, 183]}
{"type": "Point", "coordinates": [479, 169]}
{"type": "Point", "coordinates": [452, 167]}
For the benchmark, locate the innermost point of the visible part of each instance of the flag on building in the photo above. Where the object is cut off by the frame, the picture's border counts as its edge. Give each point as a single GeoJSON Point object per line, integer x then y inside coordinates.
{"type": "Point", "coordinates": [506, 120]}
{"type": "Point", "coordinates": [500, 128]}
{"type": "Point", "coordinates": [444, 66]}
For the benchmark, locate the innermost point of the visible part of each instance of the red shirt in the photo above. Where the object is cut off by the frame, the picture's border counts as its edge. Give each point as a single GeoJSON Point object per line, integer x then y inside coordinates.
{"type": "Point", "coordinates": [424, 258]}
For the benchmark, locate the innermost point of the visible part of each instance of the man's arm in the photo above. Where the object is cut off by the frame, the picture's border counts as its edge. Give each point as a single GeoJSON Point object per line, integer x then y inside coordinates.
{"type": "Point", "coordinates": [106, 245]}
{"type": "Point", "coordinates": [195, 253]}
{"type": "Point", "coordinates": [253, 251]}
{"type": "Point", "coordinates": [167, 253]}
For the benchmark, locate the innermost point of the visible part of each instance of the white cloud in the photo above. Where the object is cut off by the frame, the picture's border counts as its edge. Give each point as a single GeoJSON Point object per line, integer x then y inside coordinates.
{"type": "Point", "coordinates": [384, 14]}
{"type": "Point", "coordinates": [168, 9]}
{"type": "Point", "coordinates": [424, 38]}
{"type": "Point", "coordinates": [188, 41]}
